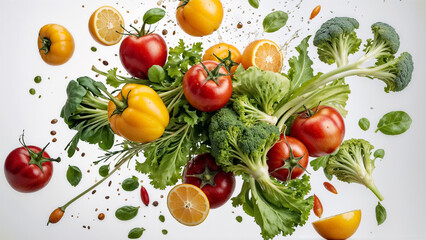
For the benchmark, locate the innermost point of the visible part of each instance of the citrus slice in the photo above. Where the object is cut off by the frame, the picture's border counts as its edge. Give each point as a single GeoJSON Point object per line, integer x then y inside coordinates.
{"type": "Point", "coordinates": [188, 204]}
{"type": "Point", "coordinates": [264, 54]}
{"type": "Point", "coordinates": [340, 226]}
{"type": "Point", "coordinates": [104, 24]}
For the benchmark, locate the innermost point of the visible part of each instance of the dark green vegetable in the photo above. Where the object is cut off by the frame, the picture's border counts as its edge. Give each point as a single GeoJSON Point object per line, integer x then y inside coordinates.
{"type": "Point", "coordinates": [274, 21]}
{"type": "Point", "coordinates": [379, 153]}
{"type": "Point", "coordinates": [239, 219]}
{"type": "Point", "coordinates": [126, 213]}
{"type": "Point", "coordinates": [74, 175]}
{"type": "Point", "coordinates": [130, 184]}
{"type": "Point", "coordinates": [37, 79]}
{"type": "Point", "coordinates": [164, 231]}
{"type": "Point", "coordinates": [162, 218]}
{"type": "Point", "coordinates": [380, 213]}
{"type": "Point", "coordinates": [254, 3]}
{"type": "Point", "coordinates": [364, 124]}
{"type": "Point", "coordinates": [104, 170]}
{"type": "Point", "coordinates": [32, 91]}
{"type": "Point", "coordinates": [136, 233]}
{"type": "Point", "coordinates": [394, 123]}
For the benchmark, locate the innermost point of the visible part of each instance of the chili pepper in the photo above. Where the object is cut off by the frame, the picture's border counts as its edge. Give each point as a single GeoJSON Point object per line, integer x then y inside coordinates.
{"type": "Point", "coordinates": [330, 187]}
{"type": "Point", "coordinates": [144, 196]}
{"type": "Point", "coordinates": [317, 206]}
{"type": "Point", "coordinates": [315, 12]}
{"type": "Point", "coordinates": [55, 216]}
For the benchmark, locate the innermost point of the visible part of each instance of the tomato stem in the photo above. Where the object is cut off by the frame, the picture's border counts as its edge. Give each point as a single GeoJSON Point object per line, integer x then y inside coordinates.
{"type": "Point", "coordinates": [184, 2]}
{"type": "Point", "coordinates": [228, 62]}
{"type": "Point", "coordinates": [206, 177]}
{"type": "Point", "coordinates": [46, 44]}
{"type": "Point", "coordinates": [214, 74]}
{"type": "Point", "coordinates": [120, 104]}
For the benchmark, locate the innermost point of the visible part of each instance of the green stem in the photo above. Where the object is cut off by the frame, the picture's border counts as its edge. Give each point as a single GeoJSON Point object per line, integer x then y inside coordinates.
{"type": "Point", "coordinates": [46, 44]}
{"type": "Point", "coordinates": [375, 190]}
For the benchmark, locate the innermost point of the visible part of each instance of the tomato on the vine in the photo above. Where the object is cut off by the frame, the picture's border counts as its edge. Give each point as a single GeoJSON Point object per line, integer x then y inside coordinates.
{"type": "Point", "coordinates": [199, 17]}
{"type": "Point", "coordinates": [28, 168]}
{"type": "Point", "coordinates": [207, 86]}
{"type": "Point", "coordinates": [287, 155]}
{"type": "Point", "coordinates": [203, 172]}
{"type": "Point", "coordinates": [321, 129]}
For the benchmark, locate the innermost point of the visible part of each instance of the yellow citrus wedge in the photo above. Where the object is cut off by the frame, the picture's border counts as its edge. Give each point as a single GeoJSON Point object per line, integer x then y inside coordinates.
{"type": "Point", "coordinates": [188, 204]}
{"type": "Point", "coordinates": [264, 54]}
{"type": "Point", "coordinates": [104, 24]}
{"type": "Point", "coordinates": [340, 226]}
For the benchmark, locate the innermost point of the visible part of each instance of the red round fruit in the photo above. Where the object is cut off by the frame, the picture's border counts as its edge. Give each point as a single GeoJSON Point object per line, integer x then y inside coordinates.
{"type": "Point", "coordinates": [321, 130]}
{"type": "Point", "coordinates": [280, 159]}
{"type": "Point", "coordinates": [28, 168]}
{"type": "Point", "coordinates": [217, 184]}
{"type": "Point", "coordinates": [138, 54]}
{"type": "Point", "coordinates": [210, 90]}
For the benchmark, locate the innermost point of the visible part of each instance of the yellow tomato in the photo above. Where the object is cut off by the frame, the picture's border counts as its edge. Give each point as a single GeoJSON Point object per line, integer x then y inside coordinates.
{"type": "Point", "coordinates": [222, 50]}
{"type": "Point", "coordinates": [199, 17]}
{"type": "Point", "coordinates": [341, 226]}
{"type": "Point", "coordinates": [55, 44]}
{"type": "Point", "coordinates": [140, 115]}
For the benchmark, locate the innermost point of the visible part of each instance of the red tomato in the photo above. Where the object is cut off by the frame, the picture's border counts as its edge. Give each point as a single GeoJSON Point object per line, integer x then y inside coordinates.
{"type": "Point", "coordinates": [207, 91]}
{"type": "Point", "coordinates": [321, 130]}
{"type": "Point", "coordinates": [138, 54]}
{"type": "Point", "coordinates": [280, 159]}
{"type": "Point", "coordinates": [203, 172]}
{"type": "Point", "coordinates": [28, 168]}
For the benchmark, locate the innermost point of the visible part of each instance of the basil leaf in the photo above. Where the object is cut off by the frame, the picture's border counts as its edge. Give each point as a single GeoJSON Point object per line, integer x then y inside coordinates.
{"type": "Point", "coordinates": [136, 233]}
{"type": "Point", "coordinates": [274, 21]}
{"type": "Point", "coordinates": [156, 74]}
{"type": "Point", "coordinates": [379, 153]}
{"type": "Point", "coordinates": [104, 170]}
{"type": "Point", "coordinates": [380, 214]}
{"type": "Point", "coordinates": [130, 184]}
{"type": "Point", "coordinates": [73, 175]}
{"type": "Point", "coordinates": [126, 213]}
{"type": "Point", "coordinates": [254, 3]}
{"type": "Point", "coordinates": [364, 124]}
{"type": "Point", "coordinates": [153, 15]}
{"type": "Point", "coordinates": [394, 123]}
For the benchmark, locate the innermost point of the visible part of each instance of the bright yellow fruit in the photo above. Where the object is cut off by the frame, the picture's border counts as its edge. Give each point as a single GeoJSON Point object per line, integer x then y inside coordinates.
{"type": "Point", "coordinates": [104, 24]}
{"type": "Point", "coordinates": [264, 54]}
{"type": "Point", "coordinates": [338, 227]}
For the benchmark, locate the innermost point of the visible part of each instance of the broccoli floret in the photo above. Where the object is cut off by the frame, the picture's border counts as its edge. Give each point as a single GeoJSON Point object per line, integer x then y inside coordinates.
{"type": "Point", "coordinates": [250, 114]}
{"type": "Point", "coordinates": [385, 42]}
{"type": "Point", "coordinates": [336, 40]}
{"type": "Point", "coordinates": [277, 207]}
{"type": "Point", "coordinates": [352, 164]}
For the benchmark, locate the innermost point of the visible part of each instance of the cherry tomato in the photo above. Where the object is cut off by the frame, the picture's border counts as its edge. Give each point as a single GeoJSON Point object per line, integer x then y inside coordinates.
{"type": "Point", "coordinates": [281, 160]}
{"type": "Point", "coordinates": [199, 17]}
{"type": "Point", "coordinates": [208, 90]}
{"type": "Point", "coordinates": [138, 54]}
{"type": "Point", "coordinates": [321, 130]}
{"type": "Point", "coordinates": [203, 172]}
{"type": "Point", "coordinates": [28, 168]}
{"type": "Point", "coordinates": [222, 51]}
{"type": "Point", "coordinates": [317, 207]}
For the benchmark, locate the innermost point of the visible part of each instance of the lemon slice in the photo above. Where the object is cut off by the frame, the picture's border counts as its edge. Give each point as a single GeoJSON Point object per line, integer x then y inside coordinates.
{"type": "Point", "coordinates": [340, 226]}
{"type": "Point", "coordinates": [104, 24]}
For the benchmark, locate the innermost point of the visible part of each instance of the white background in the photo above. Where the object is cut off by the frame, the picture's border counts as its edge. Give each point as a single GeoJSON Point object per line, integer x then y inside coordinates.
{"type": "Point", "coordinates": [401, 176]}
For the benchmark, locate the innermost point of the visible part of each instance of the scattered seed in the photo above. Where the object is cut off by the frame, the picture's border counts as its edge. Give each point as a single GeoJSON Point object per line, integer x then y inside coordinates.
{"type": "Point", "coordinates": [164, 32]}
{"type": "Point", "coordinates": [53, 133]}
{"type": "Point", "coordinates": [155, 203]}
{"type": "Point", "coordinates": [54, 140]}
{"type": "Point", "coordinates": [101, 216]}
{"type": "Point", "coordinates": [239, 25]}
{"type": "Point", "coordinates": [83, 154]}
{"type": "Point", "coordinates": [105, 62]}
{"type": "Point", "coordinates": [106, 197]}
{"type": "Point", "coordinates": [109, 184]}
{"type": "Point", "coordinates": [54, 121]}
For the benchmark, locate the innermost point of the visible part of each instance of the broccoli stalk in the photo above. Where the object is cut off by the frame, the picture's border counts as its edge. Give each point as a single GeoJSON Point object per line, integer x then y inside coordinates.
{"type": "Point", "coordinates": [352, 164]}
{"type": "Point", "coordinates": [277, 207]}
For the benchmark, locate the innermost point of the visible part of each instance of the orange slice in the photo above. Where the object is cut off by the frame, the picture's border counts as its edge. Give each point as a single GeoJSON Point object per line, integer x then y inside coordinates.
{"type": "Point", "coordinates": [188, 204]}
{"type": "Point", "coordinates": [340, 226]}
{"type": "Point", "coordinates": [264, 54]}
{"type": "Point", "coordinates": [104, 24]}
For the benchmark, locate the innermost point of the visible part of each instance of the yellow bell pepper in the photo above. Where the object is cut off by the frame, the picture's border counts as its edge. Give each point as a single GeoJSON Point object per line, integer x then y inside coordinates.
{"type": "Point", "coordinates": [138, 114]}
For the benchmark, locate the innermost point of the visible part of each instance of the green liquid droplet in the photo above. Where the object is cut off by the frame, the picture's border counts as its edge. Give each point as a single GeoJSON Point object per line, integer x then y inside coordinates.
{"type": "Point", "coordinates": [32, 91]}
{"type": "Point", "coordinates": [93, 49]}
{"type": "Point", "coordinates": [37, 79]}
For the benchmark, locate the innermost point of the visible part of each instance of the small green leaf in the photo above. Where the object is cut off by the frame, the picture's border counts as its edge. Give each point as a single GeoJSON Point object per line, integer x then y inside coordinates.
{"type": "Point", "coordinates": [254, 3]}
{"type": "Point", "coordinates": [239, 219]}
{"type": "Point", "coordinates": [156, 74]}
{"type": "Point", "coordinates": [153, 15]}
{"type": "Point", "coordinates": [104, 170]}
{"type": "Point", "coordinates": [394, 123]}
{"type": "Point", "coordinates": [136, 233]}
{"type": "Point", "coordinates": [161, 218]}
{"type": "Point", "coordinates": [74, 175]}
{"type": "Point", "coordinates": [379, 153]}
{"type": "Point", "coordinates": [274, 21]}
{"type": "Point", "coordinates": [126, 213]}
{"type": "Point", "coordinates": [364, 124]}
{"type": "Point", "coordinates": [130, 184]}
{"type": "Point", "coordinates": [380, 214]}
